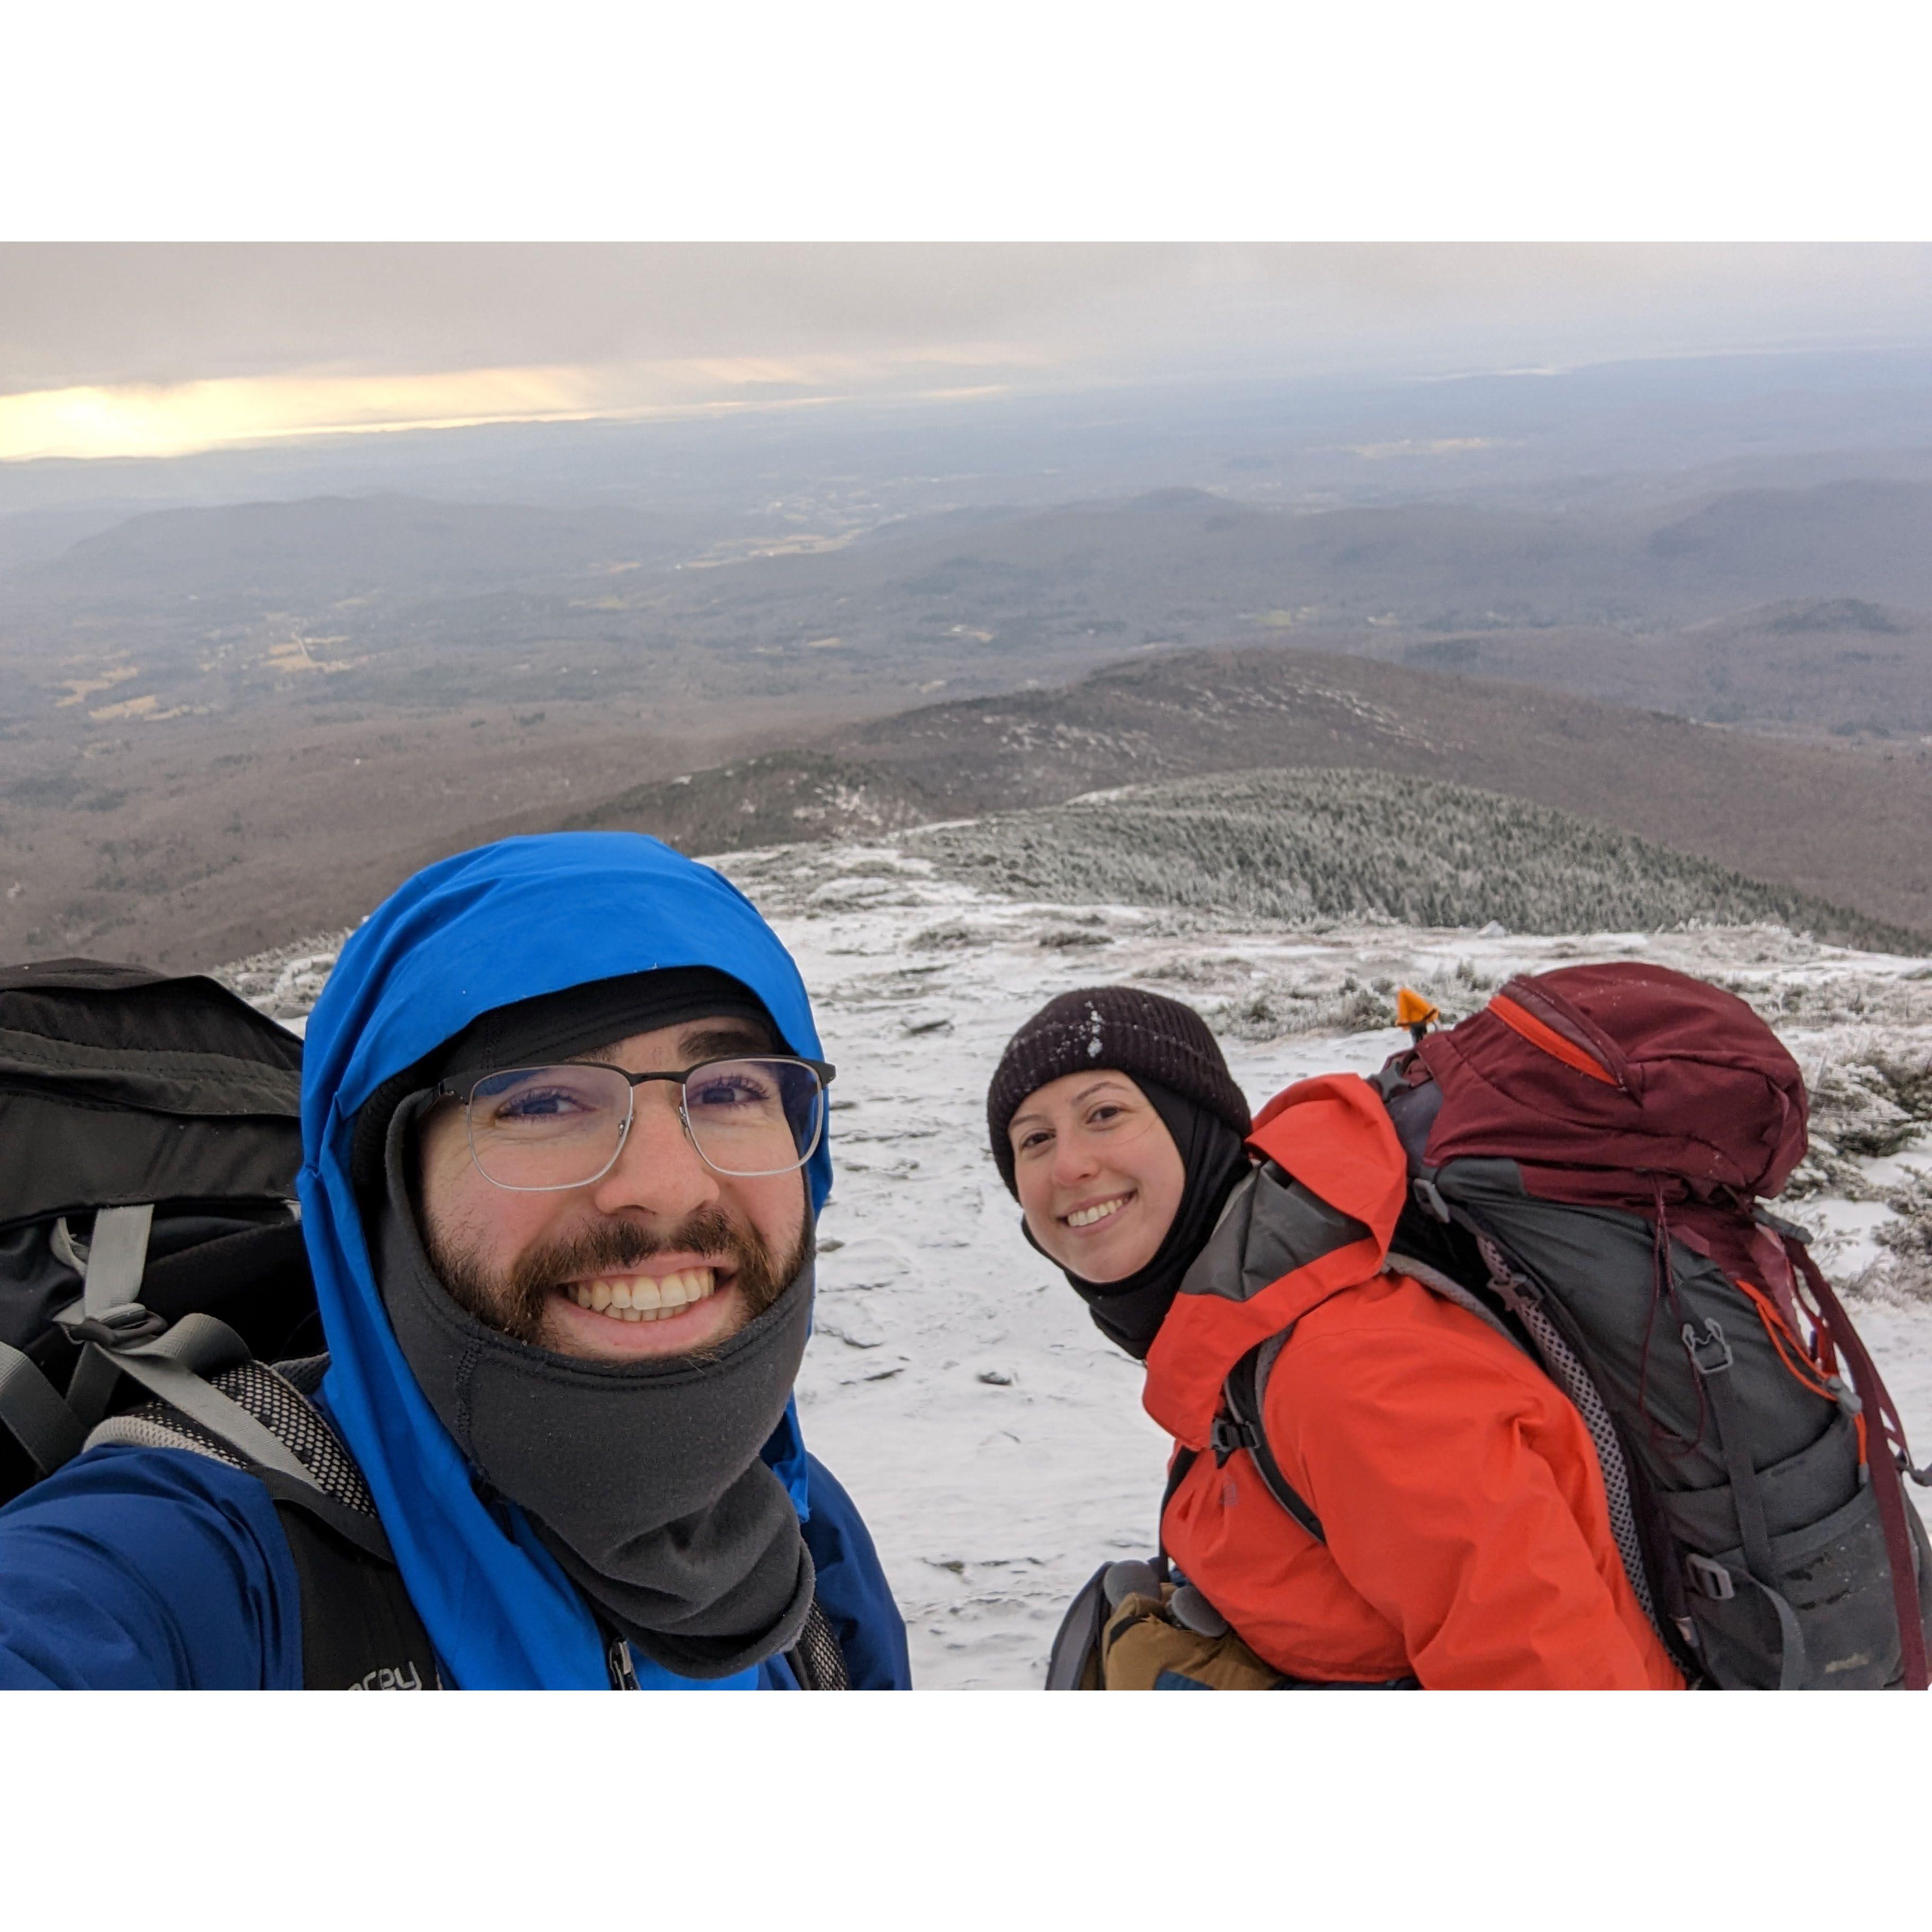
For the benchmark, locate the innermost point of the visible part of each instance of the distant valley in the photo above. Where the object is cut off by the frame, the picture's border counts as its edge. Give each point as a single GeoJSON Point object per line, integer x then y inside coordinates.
{"type": "Point", "coordinates": [221, 727]}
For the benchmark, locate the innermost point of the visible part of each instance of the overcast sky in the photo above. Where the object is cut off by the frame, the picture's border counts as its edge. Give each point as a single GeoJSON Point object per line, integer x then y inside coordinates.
{"type": "Point", "coordinates": [114, 350]}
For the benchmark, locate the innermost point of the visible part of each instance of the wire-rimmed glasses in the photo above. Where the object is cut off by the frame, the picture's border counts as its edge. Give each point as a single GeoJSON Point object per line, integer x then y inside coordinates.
{"type": "Point", "coordinates": [535, 1130]}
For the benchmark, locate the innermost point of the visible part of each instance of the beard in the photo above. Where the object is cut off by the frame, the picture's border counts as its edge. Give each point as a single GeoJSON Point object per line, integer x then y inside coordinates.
{"type": "Point", "coordinates": [517, 1303]}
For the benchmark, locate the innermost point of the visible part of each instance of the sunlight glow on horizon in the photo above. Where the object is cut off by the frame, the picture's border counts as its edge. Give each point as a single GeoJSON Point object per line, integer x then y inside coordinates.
{"type": "Point", "coordinates": [142, 419]}
{"type": "Point", "coordinates": [136, 420]}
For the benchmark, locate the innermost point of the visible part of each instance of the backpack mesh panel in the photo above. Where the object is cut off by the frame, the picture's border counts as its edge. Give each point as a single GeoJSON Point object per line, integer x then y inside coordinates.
{"type": "Point", "coordinates": [1569, 1374]}
{"type": "Point", "coordinates": [275, 1397]}
{"type": "Point", "coordinates": [817, 1658]}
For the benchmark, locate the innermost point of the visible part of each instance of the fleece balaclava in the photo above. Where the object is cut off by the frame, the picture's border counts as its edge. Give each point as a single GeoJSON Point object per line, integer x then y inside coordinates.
{"type": "Point", "coordinates": [643, 1479]}
{"type": "Point", "coordinates": [1168, 1052]}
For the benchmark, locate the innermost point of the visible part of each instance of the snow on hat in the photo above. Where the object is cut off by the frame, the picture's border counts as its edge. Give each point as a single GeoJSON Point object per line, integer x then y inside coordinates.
{"type": "Point", "coordinates": [1143, 1035]}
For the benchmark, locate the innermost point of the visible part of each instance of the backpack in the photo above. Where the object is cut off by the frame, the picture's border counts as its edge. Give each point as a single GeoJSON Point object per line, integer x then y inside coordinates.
{"type": "Point", "coordinates": [152, 1266]}
{"type": "Point", "coordinates": [1588, 1157]}
{"type": "Point", "coordinates": [155, 1289]}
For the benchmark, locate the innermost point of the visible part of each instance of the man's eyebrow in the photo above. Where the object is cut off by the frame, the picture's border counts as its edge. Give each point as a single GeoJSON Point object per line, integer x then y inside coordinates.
{"type": "Point", "coordinates": [705, 1043]}
{"type": "Point", "coordinates": [709, 1043]}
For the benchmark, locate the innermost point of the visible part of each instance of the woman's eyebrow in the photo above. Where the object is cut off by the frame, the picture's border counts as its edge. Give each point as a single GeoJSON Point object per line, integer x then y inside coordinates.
{"type": "Point", "coordinates": [1086, 1093]}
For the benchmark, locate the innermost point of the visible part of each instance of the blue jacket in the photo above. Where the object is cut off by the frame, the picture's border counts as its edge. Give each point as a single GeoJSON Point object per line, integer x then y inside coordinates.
{"type": "Point", "coordinates": [154, 1566]}
{"type": "Point", "coordinates": [151, 1569]}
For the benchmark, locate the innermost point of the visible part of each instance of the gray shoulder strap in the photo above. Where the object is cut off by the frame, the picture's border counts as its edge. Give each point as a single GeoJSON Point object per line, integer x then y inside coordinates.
{"type": "Point", "coordinates": [31, 1408]}
{"type": "Point", "coordinates": [1437, 1283]}
{"type": "Point", "coordinates": [1265, 1357]}
{"type": "Point", "coordinates": [117, 1258]}
{"type": "Point", "coordinates": [161, 1367]}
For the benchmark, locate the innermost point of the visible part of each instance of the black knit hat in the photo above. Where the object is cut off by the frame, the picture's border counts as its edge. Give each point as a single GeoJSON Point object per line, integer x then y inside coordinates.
{"type": "Point", "coordinates": [1122, 1028]}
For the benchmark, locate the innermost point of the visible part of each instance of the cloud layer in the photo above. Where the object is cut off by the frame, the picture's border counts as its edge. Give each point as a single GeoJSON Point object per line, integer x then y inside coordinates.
{"type": "Point", "coordinates": [157, 348]}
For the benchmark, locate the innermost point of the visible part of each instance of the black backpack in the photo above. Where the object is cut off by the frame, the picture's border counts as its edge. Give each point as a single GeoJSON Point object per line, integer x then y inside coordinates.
{"type": "Point", "coordinates": [155, 1289]}
{"type": "Point", "coordinates": [152, 1268]}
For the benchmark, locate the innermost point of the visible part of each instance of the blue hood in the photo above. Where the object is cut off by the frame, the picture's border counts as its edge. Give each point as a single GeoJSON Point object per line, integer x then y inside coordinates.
{"type": "Point", "coordinates": [505, 922]}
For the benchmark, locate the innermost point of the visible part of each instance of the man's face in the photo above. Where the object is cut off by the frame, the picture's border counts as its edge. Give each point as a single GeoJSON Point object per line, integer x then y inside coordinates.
{"type": "Point", "coordinates": [662, 1256]}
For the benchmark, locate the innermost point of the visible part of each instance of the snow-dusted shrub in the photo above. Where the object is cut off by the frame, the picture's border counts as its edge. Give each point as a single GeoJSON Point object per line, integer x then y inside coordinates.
{"type": "Point", "coordinates": [1846, 999]}
{"type": "Point", "coordinates": [1207, 970]}
{"type": "Point", "coordinates": [1908, 1240]}
{"type": "Point", "coordinates": [1874, 1107]}
{"type": "Point", "coordinates": [286, 983]}
{"type": "Point", "coordinates": [1276, 1009]}
{"type": "Point", "coordinates": [1300, 846]}
{"type": "Point", "coordinates": [949, 937]}
{"type": "Point", "coordinates": [1275, 1006]}
{"type": "Point", "coordinates": [1868, 1103]}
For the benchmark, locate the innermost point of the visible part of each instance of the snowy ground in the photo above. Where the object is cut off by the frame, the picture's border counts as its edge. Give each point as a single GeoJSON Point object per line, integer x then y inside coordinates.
{"type": "Point", "coordinates": [994, 1443]}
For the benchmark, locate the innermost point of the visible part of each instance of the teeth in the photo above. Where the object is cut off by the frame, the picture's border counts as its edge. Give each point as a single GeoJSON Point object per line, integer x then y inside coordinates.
{"type": "Point", "coordinates": [1085, 1217]}
{"type": "Point", "coordinates": [643, 1298]}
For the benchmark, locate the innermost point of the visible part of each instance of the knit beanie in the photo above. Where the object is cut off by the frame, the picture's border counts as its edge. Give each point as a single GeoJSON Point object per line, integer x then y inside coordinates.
{"type": "Point", "coordinates": [1143, 1035]}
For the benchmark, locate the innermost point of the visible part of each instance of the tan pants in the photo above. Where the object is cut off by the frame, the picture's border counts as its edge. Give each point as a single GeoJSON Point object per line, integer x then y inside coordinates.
{"type": "Point", "coordinates": [1142, 1649]}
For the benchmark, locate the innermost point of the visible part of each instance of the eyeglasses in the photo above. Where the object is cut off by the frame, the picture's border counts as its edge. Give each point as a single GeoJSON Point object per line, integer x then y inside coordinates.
{"type": "Point", "coordinates": [535, 1129]}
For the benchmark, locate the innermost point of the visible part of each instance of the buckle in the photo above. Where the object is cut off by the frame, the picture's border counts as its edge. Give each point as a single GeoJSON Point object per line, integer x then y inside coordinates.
{"type": "Point", "coordinates": [1790, 1230]}
{"type": "Point", "coordinates": [1710, 1353]}
{"type": "Point", "coordinates": [1709, 1578]}
{"type": "Point", "coordinates": [1424, 1189]}
{"type": "Point", "coordinates": [1226, 1437]}
{"type": "Point", "coordinates": [126, 1327]}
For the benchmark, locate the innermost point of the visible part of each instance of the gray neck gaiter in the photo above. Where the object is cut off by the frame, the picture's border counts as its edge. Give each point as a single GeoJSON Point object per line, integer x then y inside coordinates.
{"type": "Point", "coordinates": [643, 1480]}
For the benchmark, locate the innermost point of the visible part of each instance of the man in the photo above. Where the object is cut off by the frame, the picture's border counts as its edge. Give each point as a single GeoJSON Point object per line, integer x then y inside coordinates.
{"type": "Point", "coordinates": [564, 1141]}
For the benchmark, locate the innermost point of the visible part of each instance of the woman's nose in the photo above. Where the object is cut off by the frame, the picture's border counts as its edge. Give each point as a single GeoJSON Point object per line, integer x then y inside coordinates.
{"type": "Point", "coordinates": [1073, 1159]}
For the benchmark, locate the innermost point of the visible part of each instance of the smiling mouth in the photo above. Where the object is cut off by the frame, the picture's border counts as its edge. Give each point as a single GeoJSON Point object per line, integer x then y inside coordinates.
{"type": "Point", "coordinates": [643, 1298]}
{"type": "Point", "coordinates": [1100, 1210]}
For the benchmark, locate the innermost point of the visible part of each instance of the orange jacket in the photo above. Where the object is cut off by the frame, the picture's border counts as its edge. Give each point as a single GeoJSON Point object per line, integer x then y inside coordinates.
{"type": "Point", "coordinates": [1469, 1541]}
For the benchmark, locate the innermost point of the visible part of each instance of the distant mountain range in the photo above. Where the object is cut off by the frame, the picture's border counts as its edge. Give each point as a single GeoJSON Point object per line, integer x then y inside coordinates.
{"type": "Point", "coordinates": [331, 548]}
{"type": "Point", "coordinates": [1422, 565]}
{"type": "Point", "coordinates": [427, 608]}
{"type": "Point", "coordinates": [219, 728]}
{"type": "Point", "coordinates": [1843, 665]}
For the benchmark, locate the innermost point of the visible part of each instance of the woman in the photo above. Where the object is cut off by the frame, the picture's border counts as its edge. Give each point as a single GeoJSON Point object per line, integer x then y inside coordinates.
{"type": "Point", "coordinates": [1458, 1535]}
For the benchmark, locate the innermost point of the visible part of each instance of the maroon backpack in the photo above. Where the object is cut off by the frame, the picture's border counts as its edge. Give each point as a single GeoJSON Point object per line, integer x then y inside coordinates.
{"type": "Point", "coordinates": [1589, 1153]}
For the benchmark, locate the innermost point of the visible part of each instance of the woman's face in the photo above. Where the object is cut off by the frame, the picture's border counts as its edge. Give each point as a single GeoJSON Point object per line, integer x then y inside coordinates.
{"type": "Point", "coordinates": [1100, 1179]}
